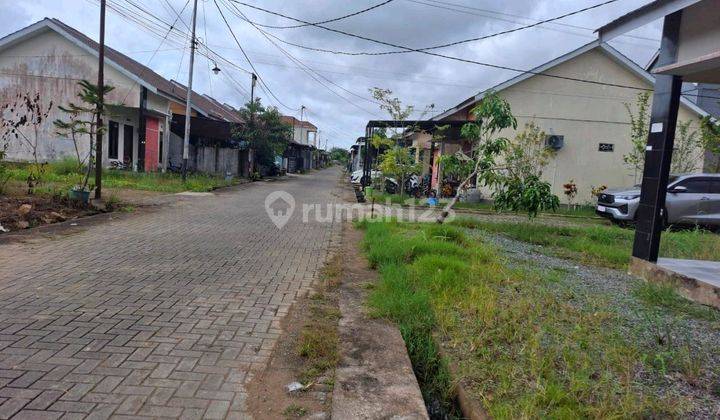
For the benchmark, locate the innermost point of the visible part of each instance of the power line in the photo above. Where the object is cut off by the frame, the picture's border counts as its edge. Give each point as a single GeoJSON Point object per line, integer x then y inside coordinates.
{"type": "Point", "coordinates": [307, 69]}
{"type": "Point", "coordinates": [494, 12]}
{"type": "Point", "coordinates": [257, 73]}
{"type": "Point", "coordinates": [434, 54]}
{"type": "Point", "coordinates": [454, 43]}
{"type": "Point", "coordinates": [156, 50]}
{"type": "Point", "coordinates": [206, 39]}
{"type": "Point", "coordinates": [153, 28]}
{"type": "Point", "coordinates": [329, 20]}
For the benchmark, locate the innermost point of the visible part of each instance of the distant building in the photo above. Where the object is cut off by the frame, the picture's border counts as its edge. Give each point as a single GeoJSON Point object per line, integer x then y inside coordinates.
{"type": "Point", "coordinates": [299, 154]}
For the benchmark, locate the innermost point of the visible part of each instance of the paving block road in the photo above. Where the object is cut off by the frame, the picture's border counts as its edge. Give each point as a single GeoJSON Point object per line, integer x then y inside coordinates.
{"type": "Point", "coordinates": [166, 313]}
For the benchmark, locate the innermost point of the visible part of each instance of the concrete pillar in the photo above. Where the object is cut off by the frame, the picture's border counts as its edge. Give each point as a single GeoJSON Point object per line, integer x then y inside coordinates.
{"type": "Point", "coordinates": [658, 153]}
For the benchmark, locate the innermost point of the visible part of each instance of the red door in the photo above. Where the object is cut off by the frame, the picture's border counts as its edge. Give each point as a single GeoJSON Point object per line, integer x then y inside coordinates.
{"type": "Point", "coordinates": [152, 144]}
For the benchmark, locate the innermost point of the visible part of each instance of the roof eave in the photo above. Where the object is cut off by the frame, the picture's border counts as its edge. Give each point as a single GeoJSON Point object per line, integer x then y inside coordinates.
{"type": "Point", "coordinates": [609, 50]}
{"type": "Point", "coordinates": [641, 16]}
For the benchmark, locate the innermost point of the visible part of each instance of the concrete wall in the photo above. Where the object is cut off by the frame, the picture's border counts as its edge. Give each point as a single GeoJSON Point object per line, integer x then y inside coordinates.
{"type": "Point", "coordinates": [586, 114]}
{"type": "Point", "coordinates": [61, 63]}
{"type": "Point", "coordinates": [304, 135]}
{"type": "Point", "coordinates": [210, 160]}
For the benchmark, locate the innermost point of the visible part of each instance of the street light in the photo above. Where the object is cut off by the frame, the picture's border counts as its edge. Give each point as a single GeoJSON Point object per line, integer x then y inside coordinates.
{"type": "Point", "coordinates": [216, 69]}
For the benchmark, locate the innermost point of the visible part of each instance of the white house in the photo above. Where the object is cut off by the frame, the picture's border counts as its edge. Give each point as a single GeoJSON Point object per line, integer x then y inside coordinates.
{"type": "Point", "coordinates": [49, 58]}
{"type": "Point", "coordinates": [590, 117]}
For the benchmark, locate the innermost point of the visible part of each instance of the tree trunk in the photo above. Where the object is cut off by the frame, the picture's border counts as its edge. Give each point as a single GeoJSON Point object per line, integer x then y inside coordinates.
{"type": "Point", "coordinates": [444, 214]}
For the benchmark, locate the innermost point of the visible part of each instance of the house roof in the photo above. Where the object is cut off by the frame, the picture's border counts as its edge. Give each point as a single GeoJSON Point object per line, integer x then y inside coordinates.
{"type": "Point", "coordinates": [641, 16]}
{"type": "Point", "coordinates": [604, 47]}
{"type": "Point", "coordinates": [289, 119]}
{"type": "Point", "coordinates": [137, 72]}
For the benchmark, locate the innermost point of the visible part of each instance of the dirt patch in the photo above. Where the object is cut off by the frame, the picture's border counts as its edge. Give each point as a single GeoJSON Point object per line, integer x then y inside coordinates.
{"type": "Point", "coordinates": [17, 213]}
{"type": "Point", "coordinates": [306, 352]}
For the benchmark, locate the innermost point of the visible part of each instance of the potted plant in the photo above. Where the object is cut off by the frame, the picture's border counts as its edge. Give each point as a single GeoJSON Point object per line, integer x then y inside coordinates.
{"type": "Point", "coordinates": [82, 121]}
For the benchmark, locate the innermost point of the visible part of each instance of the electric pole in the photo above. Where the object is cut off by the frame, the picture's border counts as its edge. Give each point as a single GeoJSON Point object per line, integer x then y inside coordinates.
{"type": "Point", "coordinates": [302, 111]}
{"type": "Point", "coordinates": [186, 138]}
{"type": "Point", "coordinates": [252, 88]}
{"type": "Point", "coordinates": [99, 106]}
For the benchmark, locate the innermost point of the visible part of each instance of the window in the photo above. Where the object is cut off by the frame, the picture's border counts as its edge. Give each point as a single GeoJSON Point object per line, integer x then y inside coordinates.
{"type": "Point", "coordinates": [113, 133]}
{"type": "Point", "coordinates": [606, 147]}
{"type": "Point", "coordinates": [714, 185]}
{"type": "Point", "coordinates": [696, 185]}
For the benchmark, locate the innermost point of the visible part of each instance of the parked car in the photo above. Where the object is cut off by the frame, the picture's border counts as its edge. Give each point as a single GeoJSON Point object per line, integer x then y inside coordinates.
{"type": "Point", "coordinates": [691, 199]}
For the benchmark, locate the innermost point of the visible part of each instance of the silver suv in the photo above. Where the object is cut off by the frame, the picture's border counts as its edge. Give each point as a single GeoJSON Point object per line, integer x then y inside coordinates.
{"type": "Point", "coordinates": [691, 199]}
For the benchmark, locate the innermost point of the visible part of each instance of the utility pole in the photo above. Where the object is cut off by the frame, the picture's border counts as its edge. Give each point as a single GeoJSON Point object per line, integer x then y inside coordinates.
{"type": "Point", "coordinates": [186, 138]}
{"type": "Point", "coordinates": [99, 106]}
{"type": "Point", "coordinates": [302, 111]}
{"type": "Point", "coordinates": [252, 88]}
{"type": "Point", "coordinates": [253, 81]}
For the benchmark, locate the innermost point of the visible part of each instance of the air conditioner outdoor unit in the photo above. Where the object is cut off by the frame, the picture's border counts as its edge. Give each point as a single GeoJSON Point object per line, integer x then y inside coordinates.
{"type": "Point", "coordinates": [555, 142]}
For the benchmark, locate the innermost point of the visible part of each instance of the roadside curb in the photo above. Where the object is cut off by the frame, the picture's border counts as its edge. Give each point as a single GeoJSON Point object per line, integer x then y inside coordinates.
{"type": "Point", "coordinates": [374, 378]}
{"type": "Point", "coordinates": [470, 408]}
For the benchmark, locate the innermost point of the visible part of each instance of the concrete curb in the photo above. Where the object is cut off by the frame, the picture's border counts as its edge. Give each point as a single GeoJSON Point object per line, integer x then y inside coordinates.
{"type": "Point", "coordinates": [470, 408]}
{"type": "Point", "coordinates": [374, 378]}
{"type": "Point", "coordinates": [691, 288]}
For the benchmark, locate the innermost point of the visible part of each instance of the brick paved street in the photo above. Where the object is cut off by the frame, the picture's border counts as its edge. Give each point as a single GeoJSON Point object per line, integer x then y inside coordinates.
{"type": "Point", "coordinates": [166, 313]}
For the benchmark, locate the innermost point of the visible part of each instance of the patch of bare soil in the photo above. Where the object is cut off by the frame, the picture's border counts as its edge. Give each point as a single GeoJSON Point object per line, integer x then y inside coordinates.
{"type": "Point", "coordinates": [306, 353]}
{"type": "Point", "coordinates": [132, 197]}
{"type": "Point", "coordinates": [22, 212]}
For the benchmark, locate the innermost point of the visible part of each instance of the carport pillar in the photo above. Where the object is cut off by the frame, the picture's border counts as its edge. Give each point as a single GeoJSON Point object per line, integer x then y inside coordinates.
{"type": "Point", "coordinates": [367, 161]}
{"type": "Point", "coordinates": [658, 153]}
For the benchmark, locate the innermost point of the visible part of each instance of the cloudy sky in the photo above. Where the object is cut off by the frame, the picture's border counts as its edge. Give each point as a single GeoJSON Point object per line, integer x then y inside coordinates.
{"type": "Point", "coordinates": [332, 87]}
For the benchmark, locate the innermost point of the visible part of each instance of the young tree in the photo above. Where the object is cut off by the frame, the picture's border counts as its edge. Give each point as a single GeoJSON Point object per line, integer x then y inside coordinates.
{"type": "Point", "coordinates": [710, 139]}
{"type": "Point", "coordinates": [687, 151]}
{"type": "Point", "coordinates": [82, 121]}
{"type": "Point", "coordinates": [458, 165]}
{"type": "Point", "coordinates": [4, 175]}
{"type": "Point", "coordinates": [393, 106]}
{"type": "Point", "coordinates": [527, 154]}
{"type": "Point", "coordinates": [639, 129]}
{"type": "Point", "coordinates": [511, 191]}
{"type": "Point", "coordinates": [21, 120]}
{"type": "Point", "coordinates": [399, 162]}
{"type": "Point", "coordinates": [264, 130]}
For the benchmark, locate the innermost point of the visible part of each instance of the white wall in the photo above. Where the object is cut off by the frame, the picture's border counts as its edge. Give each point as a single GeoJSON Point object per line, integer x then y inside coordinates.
{"type": "Point", "coordinates": [62, 64]}
{"type": "Point", "coordinates": [586, 114]}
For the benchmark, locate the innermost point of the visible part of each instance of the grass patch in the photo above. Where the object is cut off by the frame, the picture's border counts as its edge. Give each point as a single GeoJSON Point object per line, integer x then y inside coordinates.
{"type": "Point", "coordinates": [318, 339]}
{"type": "Point", "coordinates": [295, 411]}
{"type": "Point", "coordinates": [522, 348]}
{"type": "Point", "coordinates": [666, 296]}
{"type": "Point", "coordinates": [605, 246]}
{"type": "Point", "coordinates": [64, 174]}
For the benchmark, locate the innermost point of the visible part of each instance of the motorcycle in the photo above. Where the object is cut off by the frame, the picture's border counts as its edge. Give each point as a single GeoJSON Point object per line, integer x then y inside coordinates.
{"type": "Point", "coordinates": [411, 187]}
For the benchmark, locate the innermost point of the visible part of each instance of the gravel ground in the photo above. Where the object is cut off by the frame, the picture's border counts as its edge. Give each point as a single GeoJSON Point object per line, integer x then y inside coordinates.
{"type": "Point", "coordinates": [649, 326]}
